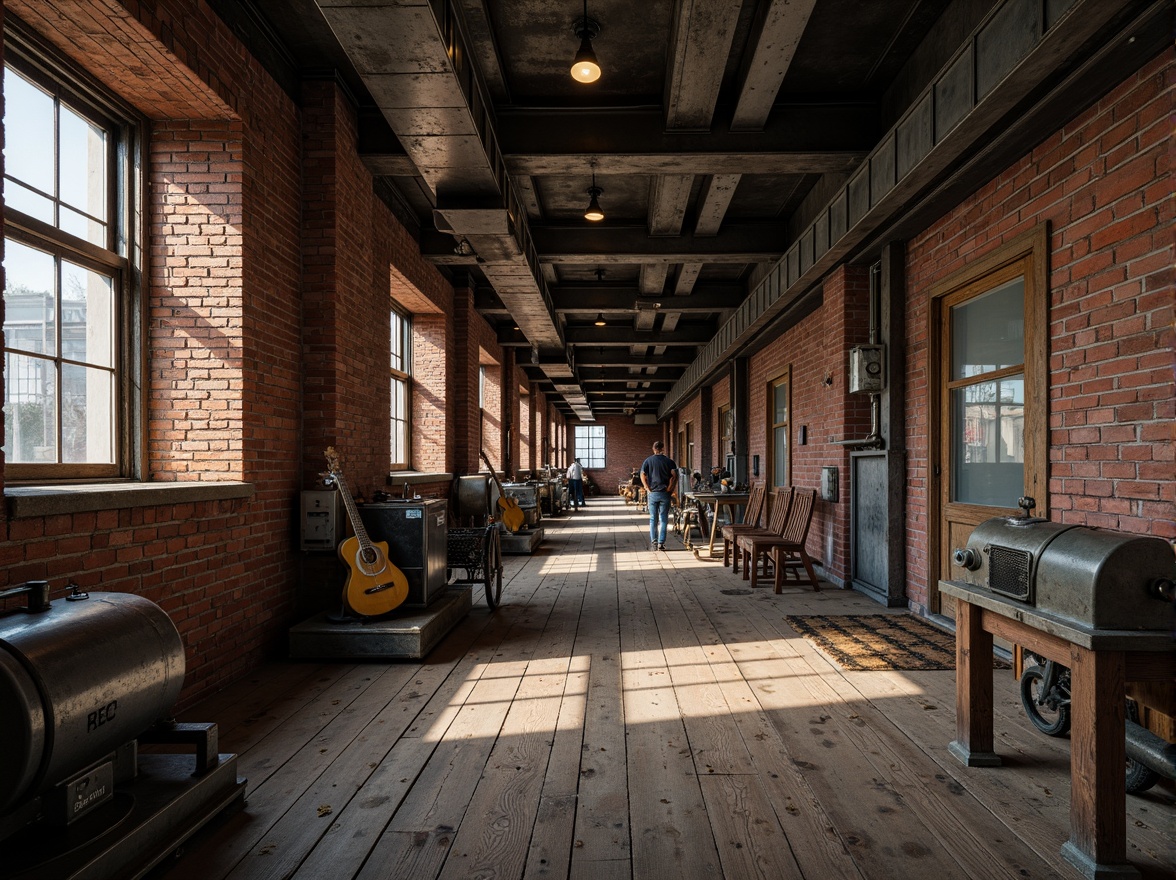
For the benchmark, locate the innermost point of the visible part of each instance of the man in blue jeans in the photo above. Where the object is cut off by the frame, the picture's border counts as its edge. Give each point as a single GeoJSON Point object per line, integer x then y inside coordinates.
{"type": "Point", "coordinates": [659, 475]}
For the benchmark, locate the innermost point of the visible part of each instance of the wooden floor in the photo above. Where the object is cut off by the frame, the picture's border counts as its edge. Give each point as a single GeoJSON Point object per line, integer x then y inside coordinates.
{"type": "Point", "coordinates": [621, 716]}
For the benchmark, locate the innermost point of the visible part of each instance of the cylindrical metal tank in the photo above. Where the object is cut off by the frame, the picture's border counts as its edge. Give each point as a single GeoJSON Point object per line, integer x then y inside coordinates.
{"type": "Point", "coordinates": [79, 680]}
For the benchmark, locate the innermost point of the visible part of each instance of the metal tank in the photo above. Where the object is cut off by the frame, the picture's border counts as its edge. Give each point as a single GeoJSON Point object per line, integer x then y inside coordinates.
{"type": "Point", "coordinates": [78, 679]}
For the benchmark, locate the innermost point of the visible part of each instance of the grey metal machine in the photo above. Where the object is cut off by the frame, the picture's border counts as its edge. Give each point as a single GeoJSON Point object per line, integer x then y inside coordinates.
{"type": "Point", "coordinates": [84, 681]}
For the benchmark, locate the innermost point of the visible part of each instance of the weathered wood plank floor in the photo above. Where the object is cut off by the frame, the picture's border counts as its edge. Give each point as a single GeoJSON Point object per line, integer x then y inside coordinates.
{"type": "Point", "coordinates": [620, 716]}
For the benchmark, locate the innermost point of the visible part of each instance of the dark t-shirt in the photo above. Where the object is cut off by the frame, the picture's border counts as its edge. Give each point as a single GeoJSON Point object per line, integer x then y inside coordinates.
{"type": "Point", "coordinates": [660, 469]}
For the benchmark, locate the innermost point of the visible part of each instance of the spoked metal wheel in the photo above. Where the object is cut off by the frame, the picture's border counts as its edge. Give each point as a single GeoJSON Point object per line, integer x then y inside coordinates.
{"type": "Point", "coordinates": [492, 569]}
{"type": "Point", "coordinates": [1047, 703]}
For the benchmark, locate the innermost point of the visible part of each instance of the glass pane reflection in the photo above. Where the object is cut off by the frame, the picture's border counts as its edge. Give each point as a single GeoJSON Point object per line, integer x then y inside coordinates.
{"type": "Point", "coordinates": [988, 455]}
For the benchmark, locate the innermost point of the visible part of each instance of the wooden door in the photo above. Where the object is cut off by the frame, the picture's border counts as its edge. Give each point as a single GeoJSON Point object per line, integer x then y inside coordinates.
{"type": "Point", "coordinates": [989, 440]}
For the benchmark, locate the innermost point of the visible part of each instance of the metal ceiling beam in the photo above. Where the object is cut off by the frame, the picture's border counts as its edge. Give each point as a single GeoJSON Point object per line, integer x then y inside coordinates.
{"type": "Point", "coordinates": [415, 61]}
{"type": "Point", "coordinates": [686, 334]}
{"type": "Point", "coordinates": [749, 243]}
{"type": "Point", "coordinates": [797, 139]}
{"type": "Point", "coordinates": [678, 356]}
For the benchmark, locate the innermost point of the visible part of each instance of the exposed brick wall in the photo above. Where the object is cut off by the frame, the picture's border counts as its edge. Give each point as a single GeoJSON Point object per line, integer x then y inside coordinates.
{"type": "Point", "coordinates": [1103, 184]}
{"type": "Point", "coordinates": [811, 352]}
{"type": "Point", "coordinates": [626, 446]}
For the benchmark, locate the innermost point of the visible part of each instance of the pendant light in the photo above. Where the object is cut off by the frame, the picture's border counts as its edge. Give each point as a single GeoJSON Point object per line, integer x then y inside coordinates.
{"type": "Point", "coordinates": [599, 322]}
{"type": "Point", "coordinates": [593, 212]}
{"type": "Point", "coordinates": [585, 67]}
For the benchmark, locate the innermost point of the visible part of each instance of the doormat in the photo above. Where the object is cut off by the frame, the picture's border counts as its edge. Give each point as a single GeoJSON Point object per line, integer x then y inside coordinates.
{"type": "Point", "coordinates": [881, 641]}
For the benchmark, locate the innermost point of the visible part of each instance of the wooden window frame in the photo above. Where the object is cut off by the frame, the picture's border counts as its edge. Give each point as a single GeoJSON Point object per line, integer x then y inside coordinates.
{"type": "Point", "coordinates": [784, 376]}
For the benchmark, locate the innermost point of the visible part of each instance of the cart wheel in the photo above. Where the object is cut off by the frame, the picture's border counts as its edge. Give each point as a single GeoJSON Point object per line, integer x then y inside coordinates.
{"type": "Point", "coordinates": [1140, 777]}
{"type": "Point", "coordinates": [492, 565]}
{"type": "Point", "coordinates": [1052, 714]}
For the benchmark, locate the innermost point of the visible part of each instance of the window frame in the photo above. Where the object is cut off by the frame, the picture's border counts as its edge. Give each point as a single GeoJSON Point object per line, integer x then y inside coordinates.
{"type": "Point", "coordinates": [785, 379]}
{"type": "Point", "coordinates": [123, 257]}
{"type": "Point", "coordinates": [587, 458]}
{"type": "Point", "coordinates": [400, 375]}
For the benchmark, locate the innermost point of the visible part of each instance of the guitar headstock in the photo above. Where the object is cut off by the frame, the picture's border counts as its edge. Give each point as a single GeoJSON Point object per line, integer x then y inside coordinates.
{"type": "Point", "coordinates": [332, 460]}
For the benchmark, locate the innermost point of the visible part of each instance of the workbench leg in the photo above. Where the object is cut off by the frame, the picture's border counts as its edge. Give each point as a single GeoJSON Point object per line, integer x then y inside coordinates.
{"type": "Point", "coordinates": [973, 742]}
{"type": "Point", "coordinates": [1098, 792]}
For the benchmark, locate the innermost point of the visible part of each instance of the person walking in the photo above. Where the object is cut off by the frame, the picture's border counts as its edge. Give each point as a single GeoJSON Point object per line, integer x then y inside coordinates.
{"type": "Point", "coordinates": [576, 484]}
{"type": "Point", "coordinates": [659, 476]}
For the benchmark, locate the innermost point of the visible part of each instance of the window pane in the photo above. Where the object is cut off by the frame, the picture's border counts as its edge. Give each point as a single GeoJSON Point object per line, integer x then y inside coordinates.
{"type": "Point", "coordinates": [83, 167]}
{"type": "Point", "coordinates": [988, 332]}
{"type": "Point", "coordinates": [30, 308]}
{"type": "Point", "coordinates": [590, 445]}
{"type": "Point", "coordinates": [30, 409]}
{"type": "Point", "coordinates": [988, 455]}
{"type": "Point", "coordinates": [87, 320]}
{"type": "Point", "coordinates": [28, 202]}
{"type": "Point", "coordinates": [780, 403]}
{"type": "Point", "coordinates": [87, 401]}
{"type": "Point", "coordinates": [780, 456]}
{"type": "Point", "coordinates": [399, 421]}
{"type": "Point", "coordinates": [29, 156]}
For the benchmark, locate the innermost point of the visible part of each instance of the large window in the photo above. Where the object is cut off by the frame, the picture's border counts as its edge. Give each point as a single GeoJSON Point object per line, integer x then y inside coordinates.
{"type": "Point", "coordinates": [401, 348]}
{"type": "Point", "coordinates": [590, 443]}
{"type": "Point", "coordinates": [67, 196]}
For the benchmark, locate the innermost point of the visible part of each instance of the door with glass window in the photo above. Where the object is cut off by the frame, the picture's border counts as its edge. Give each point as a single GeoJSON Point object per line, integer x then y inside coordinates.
{"type": "Point", "coordinates": [990, 417]}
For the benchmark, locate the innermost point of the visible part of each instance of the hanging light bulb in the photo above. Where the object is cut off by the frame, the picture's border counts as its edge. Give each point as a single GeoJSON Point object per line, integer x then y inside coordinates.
{"type": "Point", "coordinates": [600, 322]}
{"type": "Point", "coordinates": [585, 67]}
{"type": "Point", "coordinates": [593, 212]}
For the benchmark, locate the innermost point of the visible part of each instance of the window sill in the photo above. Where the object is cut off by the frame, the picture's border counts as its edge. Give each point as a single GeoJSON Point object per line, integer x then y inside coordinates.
{"type": "Point", "coordinates": [399, 478]}
{"type": "Point", "coordinates": [31, 501]}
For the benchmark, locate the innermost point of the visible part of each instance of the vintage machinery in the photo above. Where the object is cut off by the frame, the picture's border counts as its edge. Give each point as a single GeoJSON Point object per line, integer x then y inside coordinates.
{"type": "Point", "coordinates": [1094, 579]}
{"type": "Point", "coordinates": [527, 495]}
{"type": "Point", "coordinates": [84, 681]}
{"type": "Point", "coordinates": [1096, 602]}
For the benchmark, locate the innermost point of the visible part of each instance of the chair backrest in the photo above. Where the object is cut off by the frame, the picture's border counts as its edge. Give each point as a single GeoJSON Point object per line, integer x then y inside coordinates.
{"type": "Point", "coordinates": [799, 516]}
{"type": "Point", "coordinates": [755, 505]}
{"type": "Point", "coordinates": [778, 516]}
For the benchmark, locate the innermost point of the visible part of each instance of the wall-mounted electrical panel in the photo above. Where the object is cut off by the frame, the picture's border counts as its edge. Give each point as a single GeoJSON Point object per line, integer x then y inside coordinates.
{"type": "Point", "coordinates": [867, 371]}
{"type": "Point", "coordinates": [829, 483]}
{"type": "Point", "coordinates": [321, 520]}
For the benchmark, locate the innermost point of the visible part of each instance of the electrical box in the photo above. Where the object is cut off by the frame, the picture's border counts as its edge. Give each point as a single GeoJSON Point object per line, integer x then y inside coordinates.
{"type": "Point", "coordinates": [321, 523]}
{"type": "Point", "coordinates": [866, 369]}
{"type": "Point", "coordinates": [829, 483]}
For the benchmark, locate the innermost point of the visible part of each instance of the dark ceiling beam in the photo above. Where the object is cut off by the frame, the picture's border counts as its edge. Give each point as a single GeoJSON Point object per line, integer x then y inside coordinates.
{"type": "Point", "coordinates": [687, 334]}
{"type": "Point", "coordinates": [659, 378]}
{"type": "Point", "coordinates": [700, 44]}
{"type": "Point", "coordinates": [798, 139]}
{"type": "Point", "coordinates": [415, 60]}
{"type": "Point", "coordinates": [776, 33]}
{"type": "Point", "coordinates": [750, 243]}
{"type": "Point", "coordinates": [708, 296]}
{"type": "Point", "coordinates": [629, 245]}
{"type": "Point", "coordinates": [677, 357]}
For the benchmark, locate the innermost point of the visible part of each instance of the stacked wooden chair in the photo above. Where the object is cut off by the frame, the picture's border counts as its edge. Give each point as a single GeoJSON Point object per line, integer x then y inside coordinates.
{"type": "Point", "coordinates": [777, 518]}
{"type": "Point", "coordinates": [785, 549]}
{"type": "Point", "coordinates": [790, 554]}
{"type": "Point", "coordinates": [751, 519]}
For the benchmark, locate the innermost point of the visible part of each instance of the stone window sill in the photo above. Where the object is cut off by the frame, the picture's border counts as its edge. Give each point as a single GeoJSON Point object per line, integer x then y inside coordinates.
{"type": "Point", "coordinates": [31, 501]}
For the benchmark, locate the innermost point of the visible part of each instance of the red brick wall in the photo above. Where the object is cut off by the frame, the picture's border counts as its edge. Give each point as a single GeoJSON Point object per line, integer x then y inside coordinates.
{"type": "Point", "coordinates": [827, 411]}
{"type": "Point", "coordinates": [626, 446]}
{"type": "Point", "coordinates": [1103, 183]}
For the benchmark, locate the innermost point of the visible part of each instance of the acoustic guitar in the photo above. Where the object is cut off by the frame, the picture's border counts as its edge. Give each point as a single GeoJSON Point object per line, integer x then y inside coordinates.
{"type": "Point", "coordinates": [374, 585]}
{"type": "Point", "coordinates": [512, 515]}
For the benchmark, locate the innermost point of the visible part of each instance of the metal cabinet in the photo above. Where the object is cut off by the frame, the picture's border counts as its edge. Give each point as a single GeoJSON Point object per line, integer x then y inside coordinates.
{"type": "Point", "coordinates": [416, 532]}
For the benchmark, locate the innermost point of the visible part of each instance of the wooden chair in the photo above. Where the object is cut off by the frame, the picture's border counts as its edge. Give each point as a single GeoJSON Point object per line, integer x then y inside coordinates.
{"type": "Point", "coordinates": [790, 554]}
{"type": "Point", "coordinates": [777, 519]}
{"type": "Point", "coordinates": [793, 536]}
{"type": "Point", "coordinates": [751, 518]}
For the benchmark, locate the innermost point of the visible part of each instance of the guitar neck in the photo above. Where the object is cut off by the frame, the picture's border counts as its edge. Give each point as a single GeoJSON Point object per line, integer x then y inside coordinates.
{"type": "Point", "coordinates": [361, 534]}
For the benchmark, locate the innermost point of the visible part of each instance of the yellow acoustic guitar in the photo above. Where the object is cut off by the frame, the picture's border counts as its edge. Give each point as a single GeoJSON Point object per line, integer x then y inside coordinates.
{"type": "Point", "coordinates": [512, 515]}
{"type": "Point", "coordinates": [374, 585]}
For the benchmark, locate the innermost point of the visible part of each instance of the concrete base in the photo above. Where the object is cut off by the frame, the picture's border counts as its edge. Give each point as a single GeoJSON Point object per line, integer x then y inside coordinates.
{"type": "Point", "coordinates": [521, 543]}
{"type": "Point", "coordinates": [406, 636]}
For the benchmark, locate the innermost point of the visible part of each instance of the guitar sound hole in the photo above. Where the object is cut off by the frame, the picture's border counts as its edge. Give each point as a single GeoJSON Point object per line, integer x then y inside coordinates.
{"type": "Point", "coordinates": [368, 555]}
